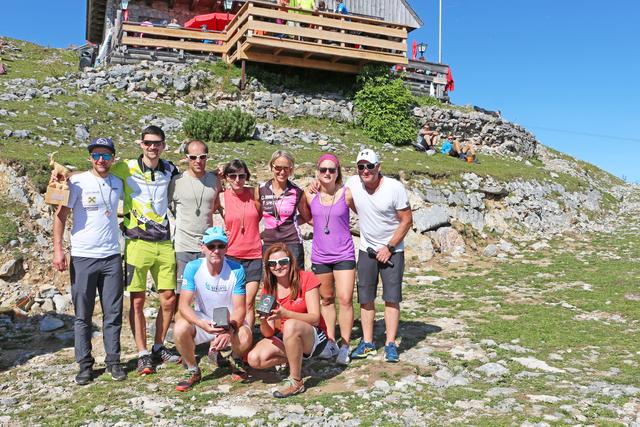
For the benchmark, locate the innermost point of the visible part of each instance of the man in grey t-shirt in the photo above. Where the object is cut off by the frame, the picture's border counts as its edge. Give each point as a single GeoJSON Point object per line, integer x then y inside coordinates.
{"type": "Point", "coordinates": [193, 198]}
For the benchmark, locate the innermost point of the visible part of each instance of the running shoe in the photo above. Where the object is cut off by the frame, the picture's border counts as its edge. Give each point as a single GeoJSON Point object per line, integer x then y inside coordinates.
{"type": "Point", "coordinates": [329, 351]}
{"type": "Point", "coordinates": [164, 355]}
{"type": "Point", "coordinates": [391, 353]}
{"type": "Point", "coordinates": [290, 388]}
{"type": "Point", "coordinates": [145, 365]}
{"type": "Point", "coordinates": [343, 356]}
{"type": "Point", "coordinates": [192, 378]}
{"type": "Point", "coordinates": [364, 350]}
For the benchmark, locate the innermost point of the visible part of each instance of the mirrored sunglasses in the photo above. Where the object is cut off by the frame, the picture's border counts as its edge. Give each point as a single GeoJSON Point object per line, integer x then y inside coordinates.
{"type": "Point", "coordinates": [281, 262]}
{"type": "Point", "coordinates": [197, 157]}
{"type": "Point", "coordinates": [369, 166]}
{"type": "Point", "coordinates": [105, 156]}
{"type": "Point", "coordinates": [281, 168]}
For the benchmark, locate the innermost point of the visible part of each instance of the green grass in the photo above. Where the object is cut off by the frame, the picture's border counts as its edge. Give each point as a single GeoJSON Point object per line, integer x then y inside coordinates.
{"type": "Point", "coordinates": [37, 62]}
{"type": "Point", "coordinates": [9, 217]}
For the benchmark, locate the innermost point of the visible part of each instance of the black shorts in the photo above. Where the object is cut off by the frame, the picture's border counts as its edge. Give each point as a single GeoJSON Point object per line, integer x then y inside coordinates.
{"type": "Point", "coordinates": [368, 271]}
{"type": "Point", "coordinates": [328, 268]}
{"type": "Point", "coordinates": [252, 268]}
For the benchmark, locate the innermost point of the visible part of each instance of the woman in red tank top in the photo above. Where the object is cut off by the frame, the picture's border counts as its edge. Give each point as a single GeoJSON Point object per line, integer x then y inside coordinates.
{"type": "Point", "coordinates": [241, 222]}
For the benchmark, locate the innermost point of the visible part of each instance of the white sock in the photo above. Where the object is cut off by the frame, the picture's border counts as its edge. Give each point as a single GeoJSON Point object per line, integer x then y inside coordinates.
{"type": "Point", "coordinates": [143, 353]}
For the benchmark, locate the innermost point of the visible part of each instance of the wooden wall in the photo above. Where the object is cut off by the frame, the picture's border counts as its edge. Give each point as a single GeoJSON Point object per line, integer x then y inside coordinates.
{"type": "Point", "coordinates": [389, 10]}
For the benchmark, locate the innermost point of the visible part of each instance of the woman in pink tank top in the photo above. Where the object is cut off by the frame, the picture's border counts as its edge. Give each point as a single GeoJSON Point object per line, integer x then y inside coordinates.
{"type": "Point", "coordinates": [333, 255]}
{"type": "Point", "coordinates": [241, 222]}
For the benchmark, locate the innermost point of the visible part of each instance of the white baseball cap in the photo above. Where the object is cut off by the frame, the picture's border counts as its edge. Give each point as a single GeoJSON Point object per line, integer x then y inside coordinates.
{"type": "Point", "coordinates": [369, 156]}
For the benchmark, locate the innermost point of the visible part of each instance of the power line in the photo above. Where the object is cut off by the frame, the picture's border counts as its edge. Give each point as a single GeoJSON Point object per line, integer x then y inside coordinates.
{"type": "Point", "coordinates": [575, 132]}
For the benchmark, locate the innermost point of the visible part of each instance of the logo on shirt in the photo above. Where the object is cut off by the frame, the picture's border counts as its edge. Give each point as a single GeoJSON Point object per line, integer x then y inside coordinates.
{"type": "Point", "coordinates": [216, 287]}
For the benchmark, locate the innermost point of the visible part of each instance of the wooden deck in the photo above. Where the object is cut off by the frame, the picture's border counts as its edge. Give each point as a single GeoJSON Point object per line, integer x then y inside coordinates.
{"type": "Point", "coordinates": [420, 75]}
{"type": "Point", "coordinates": [264, 32]}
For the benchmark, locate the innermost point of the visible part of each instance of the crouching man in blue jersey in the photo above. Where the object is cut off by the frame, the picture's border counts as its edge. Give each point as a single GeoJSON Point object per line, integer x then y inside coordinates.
{"type": "Point", "coordinates": [212, 282]}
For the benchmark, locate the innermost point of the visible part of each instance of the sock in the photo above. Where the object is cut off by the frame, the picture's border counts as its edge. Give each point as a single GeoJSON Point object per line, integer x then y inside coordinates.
{"type": "Point", "coordinates": [156, 348]}
{"type": "Point", "coordinates": [143, 353]}
{"type": "Point", "coordinates": [192, 369]}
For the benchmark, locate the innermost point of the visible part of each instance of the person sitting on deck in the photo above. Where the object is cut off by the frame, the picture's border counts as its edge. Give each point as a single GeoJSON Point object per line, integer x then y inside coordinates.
{"type": "Point", "coordinates": [341, 8]}
{"type": "Point", "coordinates": [322, 7]}
{"type": "Point", "coordinates": [174, 24]}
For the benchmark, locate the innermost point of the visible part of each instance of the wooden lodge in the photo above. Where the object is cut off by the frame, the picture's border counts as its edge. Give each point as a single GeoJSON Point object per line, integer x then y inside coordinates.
{"type": "Point", "coordinates": [374, 31]}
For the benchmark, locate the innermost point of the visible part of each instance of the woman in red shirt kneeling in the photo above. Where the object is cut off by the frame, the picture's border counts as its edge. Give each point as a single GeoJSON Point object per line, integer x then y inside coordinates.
{"type": "Point", "coordinates": [294, 329]}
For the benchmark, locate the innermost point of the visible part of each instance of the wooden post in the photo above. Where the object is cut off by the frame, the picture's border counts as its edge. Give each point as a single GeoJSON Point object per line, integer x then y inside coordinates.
{"type": "Point", "coordinates": [243, 81]}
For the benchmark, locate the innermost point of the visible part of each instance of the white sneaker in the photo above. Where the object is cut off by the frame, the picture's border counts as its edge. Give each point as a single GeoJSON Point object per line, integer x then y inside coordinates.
{"type": "Point", "coordinates": [329, 351]}
{"type": "Point", "coordinates": [343, 356]}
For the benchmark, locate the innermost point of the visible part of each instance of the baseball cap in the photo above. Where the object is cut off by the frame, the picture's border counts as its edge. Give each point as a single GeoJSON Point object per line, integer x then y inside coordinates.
{"type": "Point", "coordinates": [214, 234]}
{"type": "Point", "coordinates": [368, 155]}
{"type": "Point", "coordinates": [102, 142]}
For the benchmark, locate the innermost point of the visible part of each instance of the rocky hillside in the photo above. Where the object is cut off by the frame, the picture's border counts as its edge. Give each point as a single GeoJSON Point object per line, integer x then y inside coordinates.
{"type": "Point", "coordinates": [522, 202]}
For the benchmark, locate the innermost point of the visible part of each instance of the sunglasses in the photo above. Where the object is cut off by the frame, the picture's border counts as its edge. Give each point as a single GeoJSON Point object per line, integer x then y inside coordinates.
{"type": "Point", "coordinates": [281, 262]}
{"type": "Point", "coordinates": [325, 170]}
{"type": "Point", "coordinates": [105, 156]}
{"type": "Point", "coordinates": [149, 143]}
{"type": "Point", "coordinates": [197, 156]}
{"type": "Point", "coordinates": [369, 166]}
{"type": "Point", "coordinates": [281, 168]}
{"type": "Point", "coordinates": [214, 246]}
{"type": "Point", "coordinates": [234, 176]}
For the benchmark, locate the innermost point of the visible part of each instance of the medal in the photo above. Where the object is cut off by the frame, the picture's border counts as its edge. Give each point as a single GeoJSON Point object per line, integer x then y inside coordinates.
{"type": "Point", "coordinates": [326, 230]}
{"type": "Point", "coordinates": [198, 212]}
{"type": "Point", "coordinates": [107, 213]}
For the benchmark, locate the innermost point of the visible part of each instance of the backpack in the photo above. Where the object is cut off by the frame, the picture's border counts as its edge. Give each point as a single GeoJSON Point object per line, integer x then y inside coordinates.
{"type": "Point", "coordinates": [446, 147]}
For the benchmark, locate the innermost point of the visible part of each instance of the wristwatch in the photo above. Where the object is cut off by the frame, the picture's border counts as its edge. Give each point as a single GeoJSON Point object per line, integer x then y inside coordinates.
{"type": "Point", "coordinates": [391, 248]}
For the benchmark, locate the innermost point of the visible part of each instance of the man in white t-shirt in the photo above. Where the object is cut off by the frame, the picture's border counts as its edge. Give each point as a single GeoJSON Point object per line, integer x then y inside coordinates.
{"type": "Point", "coordinates": [96, 264]}
{"type": "Point", "coordinates": [212, 282]}
{"type": "Point", "coordinates": [385, 218]}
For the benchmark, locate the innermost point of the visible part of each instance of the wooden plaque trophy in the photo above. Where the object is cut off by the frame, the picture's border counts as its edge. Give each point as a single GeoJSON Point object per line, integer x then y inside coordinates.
{"type": "Point", "coordinates": [57, 191]}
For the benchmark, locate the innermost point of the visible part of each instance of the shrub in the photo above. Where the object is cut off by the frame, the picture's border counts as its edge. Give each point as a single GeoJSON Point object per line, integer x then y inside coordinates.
{"type": "Point", "coordinates": [220, 125]}
{"type": "Point", "coordinates": [386, 110]}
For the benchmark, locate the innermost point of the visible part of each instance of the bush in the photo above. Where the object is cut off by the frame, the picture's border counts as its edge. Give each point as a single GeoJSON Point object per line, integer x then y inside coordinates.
{"type": "Point", "coordinates": [220, 125]}
{"type": "Point", "coordinates": [386, 110]}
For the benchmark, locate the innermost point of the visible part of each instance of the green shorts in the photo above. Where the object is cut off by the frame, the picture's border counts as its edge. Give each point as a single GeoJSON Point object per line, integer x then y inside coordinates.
{"type": "Point", "coordinates": [142, 256]}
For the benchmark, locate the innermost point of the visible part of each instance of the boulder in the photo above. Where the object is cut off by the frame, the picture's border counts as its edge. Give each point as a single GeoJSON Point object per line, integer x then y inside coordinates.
{"type": "Point", "coordinates": [430, 218]}
{"type": "Point", "coordinates": [450, 241]}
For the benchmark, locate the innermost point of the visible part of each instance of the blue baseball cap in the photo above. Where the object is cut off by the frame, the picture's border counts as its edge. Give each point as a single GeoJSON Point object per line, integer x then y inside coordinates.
{"type": "Point", "coordinates": [102, 142]}
{"type": "Point", "coordinates": [214, 234]}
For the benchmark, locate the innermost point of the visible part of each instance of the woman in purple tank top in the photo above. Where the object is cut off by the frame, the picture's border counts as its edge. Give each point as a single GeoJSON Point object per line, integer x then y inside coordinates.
{"type": "Point", "coordinates": [332, 256]}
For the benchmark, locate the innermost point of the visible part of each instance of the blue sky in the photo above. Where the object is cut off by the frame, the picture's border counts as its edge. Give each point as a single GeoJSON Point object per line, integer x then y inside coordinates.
{"type": "Point", "coordinates": [568, 71]}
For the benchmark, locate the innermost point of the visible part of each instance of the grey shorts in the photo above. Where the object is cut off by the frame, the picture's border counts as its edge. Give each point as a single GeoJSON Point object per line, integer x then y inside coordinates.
{"type": "Point", "coordinates": [252, 268]}
{"type": "Point", "coordinates": [368, 271]}
{"type": "Point", "coordinates": [182, 259]}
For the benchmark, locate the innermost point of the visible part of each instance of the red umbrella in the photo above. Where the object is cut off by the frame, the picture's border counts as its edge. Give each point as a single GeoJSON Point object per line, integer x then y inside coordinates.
{"type": "Point", "coordinates": [414, 50]}
{"type": "Point", "coordinates": [213, 21]}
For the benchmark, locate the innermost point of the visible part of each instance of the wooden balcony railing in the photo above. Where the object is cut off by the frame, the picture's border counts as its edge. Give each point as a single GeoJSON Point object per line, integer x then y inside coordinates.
{"type": "Point", "coordinates": [264, 32]}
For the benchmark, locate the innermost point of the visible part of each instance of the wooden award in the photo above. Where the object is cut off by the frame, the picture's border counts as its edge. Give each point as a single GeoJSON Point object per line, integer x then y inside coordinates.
{"type": "Point", "coordinates": [57, 191]}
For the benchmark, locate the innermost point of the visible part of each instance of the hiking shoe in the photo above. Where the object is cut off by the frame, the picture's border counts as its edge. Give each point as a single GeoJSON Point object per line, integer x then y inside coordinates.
{"type": "Point", "coordinates": [391, 353]}
{"type": "Point", "coordinates": [192, 378]}
{"type": "Point", "coordinates": [145, 365]}
{"type": "Point", "coordinates": [164, 355]}
{"type": "Point", "coordinates": [291, 388]}
{"type": "Point", "coordinates": [364, 350]}
{"type": "Point", "coordinates": [85, 376]}
{"type": "Point", "coordinates": [117, 372]}
{"type": "Point", "coordinates": [343, 356]}
{"type": "Point", "coordinates": [329, 351]}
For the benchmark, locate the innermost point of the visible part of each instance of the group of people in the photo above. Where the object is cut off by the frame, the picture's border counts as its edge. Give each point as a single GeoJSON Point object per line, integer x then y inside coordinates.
{"type": "Point", "coordinates": [208, 278]}
{"type": "Point", "coordinates": [427, 140]}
